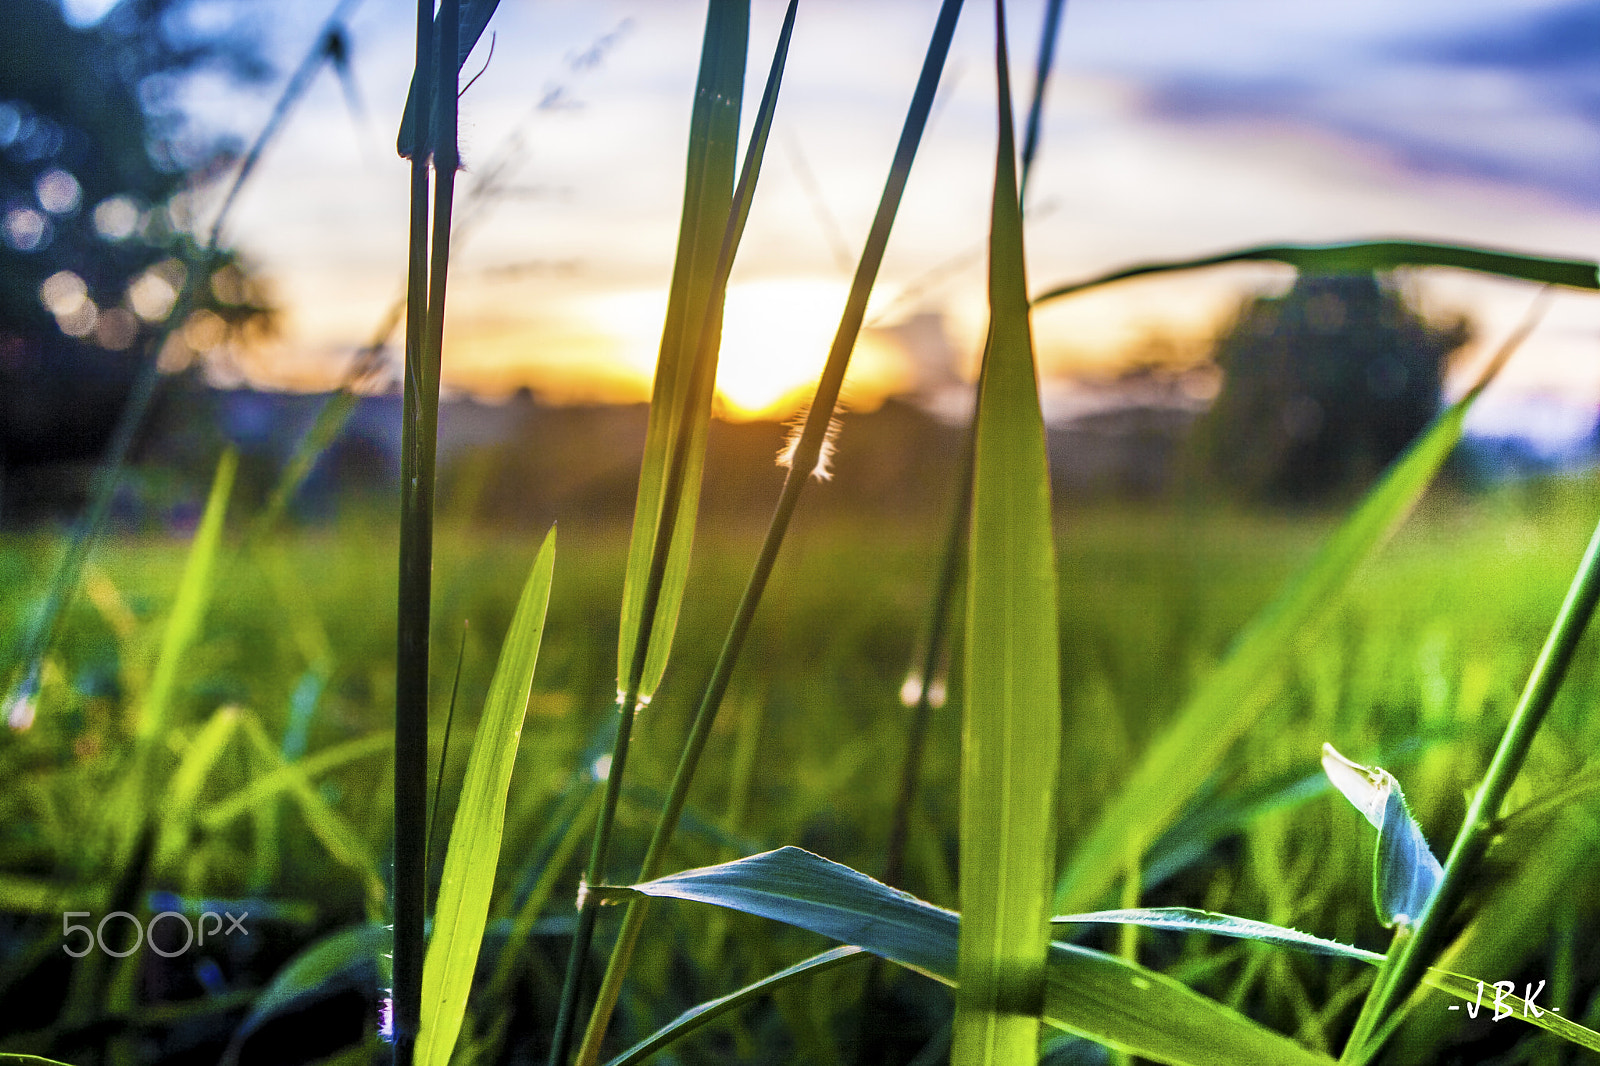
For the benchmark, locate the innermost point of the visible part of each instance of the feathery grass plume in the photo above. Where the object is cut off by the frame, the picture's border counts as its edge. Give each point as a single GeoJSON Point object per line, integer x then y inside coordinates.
{"type": "Point", "coordinates": [822, 469]}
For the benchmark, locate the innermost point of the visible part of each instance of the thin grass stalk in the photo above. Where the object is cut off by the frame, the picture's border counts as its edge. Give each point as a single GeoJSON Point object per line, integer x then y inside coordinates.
{"type": "Point", "coordinates": [68, 573]}
{"type": "Point", "coordinates": [444, 758]}
{"type": "Point", "coordinates": [703, 369]}
{"type": "Point", "coordinates": [955, 543]}
{"type": "Point", "coordinates": [1429, 934]}
{"type": "Point", "coordinates": [804, 461]}
{"type": "Point", "coordinates": [418, 431]}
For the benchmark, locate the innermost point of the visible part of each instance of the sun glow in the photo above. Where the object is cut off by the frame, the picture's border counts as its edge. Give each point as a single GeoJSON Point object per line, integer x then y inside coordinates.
{"type": "Point", "coordinates": [775, 339]}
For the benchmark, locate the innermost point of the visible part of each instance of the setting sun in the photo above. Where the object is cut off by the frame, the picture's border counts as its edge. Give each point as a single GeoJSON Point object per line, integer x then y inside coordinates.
{"type": "Point", "coordinates": [775, 339]}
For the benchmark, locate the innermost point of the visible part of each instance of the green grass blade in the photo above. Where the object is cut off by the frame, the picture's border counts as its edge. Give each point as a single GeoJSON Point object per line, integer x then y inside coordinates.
{"type": "Point", "coordinates": [1364, 256]}
{"type": "Point", "coordinates": [709, 1011]}
{"type": "Point", "coordinates": [803, 463]}
{"type": "Point", "coordinates": [183, 790]}
{"type": "Point", "coordinates": [1099, 996]}
{"type": "Point", "coordinates": [310, 972]}
{"type": "Point", "coordinates": [474, 853]}
{"type": "Point", "coordinates": [1386, 1003]}
{"type": "Point", "coordinates": [680, 396]}
{"type": "Point", "coordinates": [189, 607]}
{"type": "Point", "coordinates": [332, 830]}
{"type": "Point", "coordinates": [270, 786]}
{"type": "Point", "coordinates": [1470, 989]}
{"type": "Point", "coordinates": [1177, 765]}
{"type": "Point", "coordinates": [1011, 739]}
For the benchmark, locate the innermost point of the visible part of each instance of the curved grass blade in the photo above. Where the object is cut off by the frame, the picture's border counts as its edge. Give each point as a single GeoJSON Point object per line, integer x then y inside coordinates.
{"type": "Point", "coordinates": [1357, 257]}
{"type": "Point", "coordinates": [680, 411]}
{"type": "Point", "coordinates": [333, 961]}
{"type": "Point", "coordinates": [1404, 870]}
{"type": "Point", "coordinates": [343, 844]}
{"type": "Point", "coordinates": [1189, 920]}
{"type": "Point", "coordinates": [1011, 739]}
{"type": "Point", "coordinates": [1104, 998]}
{"type": "Point", "coordinates": [1385, 1004]}
{"type": "Point", "coordinates": [473, 19]}
{"type": "Point", "coordinates": [189, 607]}
{"type": "Point", "coordinates": [1470, 989]}
{"type": "Point", "coordinates": [709, 1011]}
{"type": "Point", "coordinates": [269, 786]}
{"type": "Point", "coordinates": [803, 462]}
{"type": "Point", "coordinates": [474, 852]}
{"type": "Point", "coordinates": [680, 402]}
{"type": "Point", "coordinates": [1177, 765]}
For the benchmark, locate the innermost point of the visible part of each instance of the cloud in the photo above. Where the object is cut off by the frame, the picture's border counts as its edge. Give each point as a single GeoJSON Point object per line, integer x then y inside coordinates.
{"type": "Point", "coordinates": [1512, 98]}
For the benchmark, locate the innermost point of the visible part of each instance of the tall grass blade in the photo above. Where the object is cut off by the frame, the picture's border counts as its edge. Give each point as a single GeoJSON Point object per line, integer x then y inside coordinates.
{"type": "Point", "coordinates": [709, 1011]}
{"type": "Point", "coordinates": [1363, 257]}
{"type": "Point", "coordinates": [474, 852]}
{"type": "Point", "coordinates": [471, 18]}
{"type": "Point", "coordinates": [1011, 738]}
{"type": "Point", "coordinates": [1177, 765]}
{"type": "Point", "coordinates": [1104, 998]}
{"type": "Point", "coordinates": [680, 402]}
{"type": "Point", "coordinates": [1185, 920]}
{"type": "Point", "coordinates": [680, 412]}
{"type": "Point", "coordinates": [1385, 1003]}
{"type": "Point", "coordinates": [803, 463]}
{"type": "Point", "coordinates": [188, 608]}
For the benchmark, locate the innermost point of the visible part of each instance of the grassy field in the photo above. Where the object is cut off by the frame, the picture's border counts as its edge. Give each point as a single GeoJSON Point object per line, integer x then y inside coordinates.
{"type": "Point", "coordinates": [1416, 668]}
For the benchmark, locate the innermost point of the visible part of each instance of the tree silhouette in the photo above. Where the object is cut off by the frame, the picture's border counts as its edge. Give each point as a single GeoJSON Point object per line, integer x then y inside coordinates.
{"type": "Point", "coordinates": [1322, 387]}
{"type": "Point", "coordinates": [95, 157]}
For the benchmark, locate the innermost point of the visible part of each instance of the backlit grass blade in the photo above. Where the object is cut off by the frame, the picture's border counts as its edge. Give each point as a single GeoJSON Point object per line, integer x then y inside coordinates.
{"type": "Point", "coordinates": [474, 851]}
{"type": "Point", "coordinates": [1471, 989]}
{"type": "Point", "coordinates": [473, 18]}
{"type": "Point", "coordinates": [1178, 763]}
{"type": "Point", "coordinates": [1385, 1004]}
{"type": "Point", "coordinates": [1011, 736]}
{"type": "Point", "coordinates": [696, 1017]}
{"type": "Point", "coordinates": [1104, 998]}
{"type": "Point", "coordinates": [681, 396]}
{"type": "Point", "coordinates": [803, 463]}
{"type": "Point", "coordinates": [189, 606]}
{"type": "Point", "coordinates": [1366, 256]}
{"type": "Point", "coordinates": [680, 412]}
{"type": "Point", "coordinates": [269, 786]}
{"type": "Point", "coordinates": [333, 831]}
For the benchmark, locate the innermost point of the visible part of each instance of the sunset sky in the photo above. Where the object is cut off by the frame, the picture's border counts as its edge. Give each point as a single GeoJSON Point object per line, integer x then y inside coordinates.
{"type": "Point", "coordinates": [1173, 128]}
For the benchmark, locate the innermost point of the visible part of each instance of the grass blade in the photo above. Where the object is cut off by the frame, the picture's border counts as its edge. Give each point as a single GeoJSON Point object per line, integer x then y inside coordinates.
{"type": "Point", "coordinates": [707, 1012]}
{"type": "Point", "coordinates": [1183, 919]}
{"type": "Point", "coordinates": [189, 607]}
{"type": "Point", "coordinates": [681, 395]}
{"type": "Point", "coordinates": [1011, 739]}
{"type": "Point", "coordinates": [803, 463]}
{"type": "Point", "coordinates": [469, 865]}
{"type": "Point", "coordinates": [1386, 1001]}
{"type": "Point", "coordinates": [1099, 996]}
{"type": "Point", "coordinates": [1365, 256]}
{"type": "Point", "coordinates": [1177, 765]}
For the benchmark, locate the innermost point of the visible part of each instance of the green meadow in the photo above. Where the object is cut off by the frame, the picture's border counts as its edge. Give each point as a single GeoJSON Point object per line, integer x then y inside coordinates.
{"type": "Point", "coordinates": [1416, 665]}
{"type": "Point", "coordinates": [1002, 776]}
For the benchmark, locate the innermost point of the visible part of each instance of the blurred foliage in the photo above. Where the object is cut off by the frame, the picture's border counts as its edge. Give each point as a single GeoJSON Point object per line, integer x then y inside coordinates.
{"type": "Point", "coordinates": [1322, 387]}
{"type": "Point", "coordinates": [98, 168]}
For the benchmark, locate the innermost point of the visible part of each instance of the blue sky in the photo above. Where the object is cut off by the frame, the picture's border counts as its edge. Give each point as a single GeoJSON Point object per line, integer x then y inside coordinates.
{"type": "Point", "coordinates": [1173, 128]}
